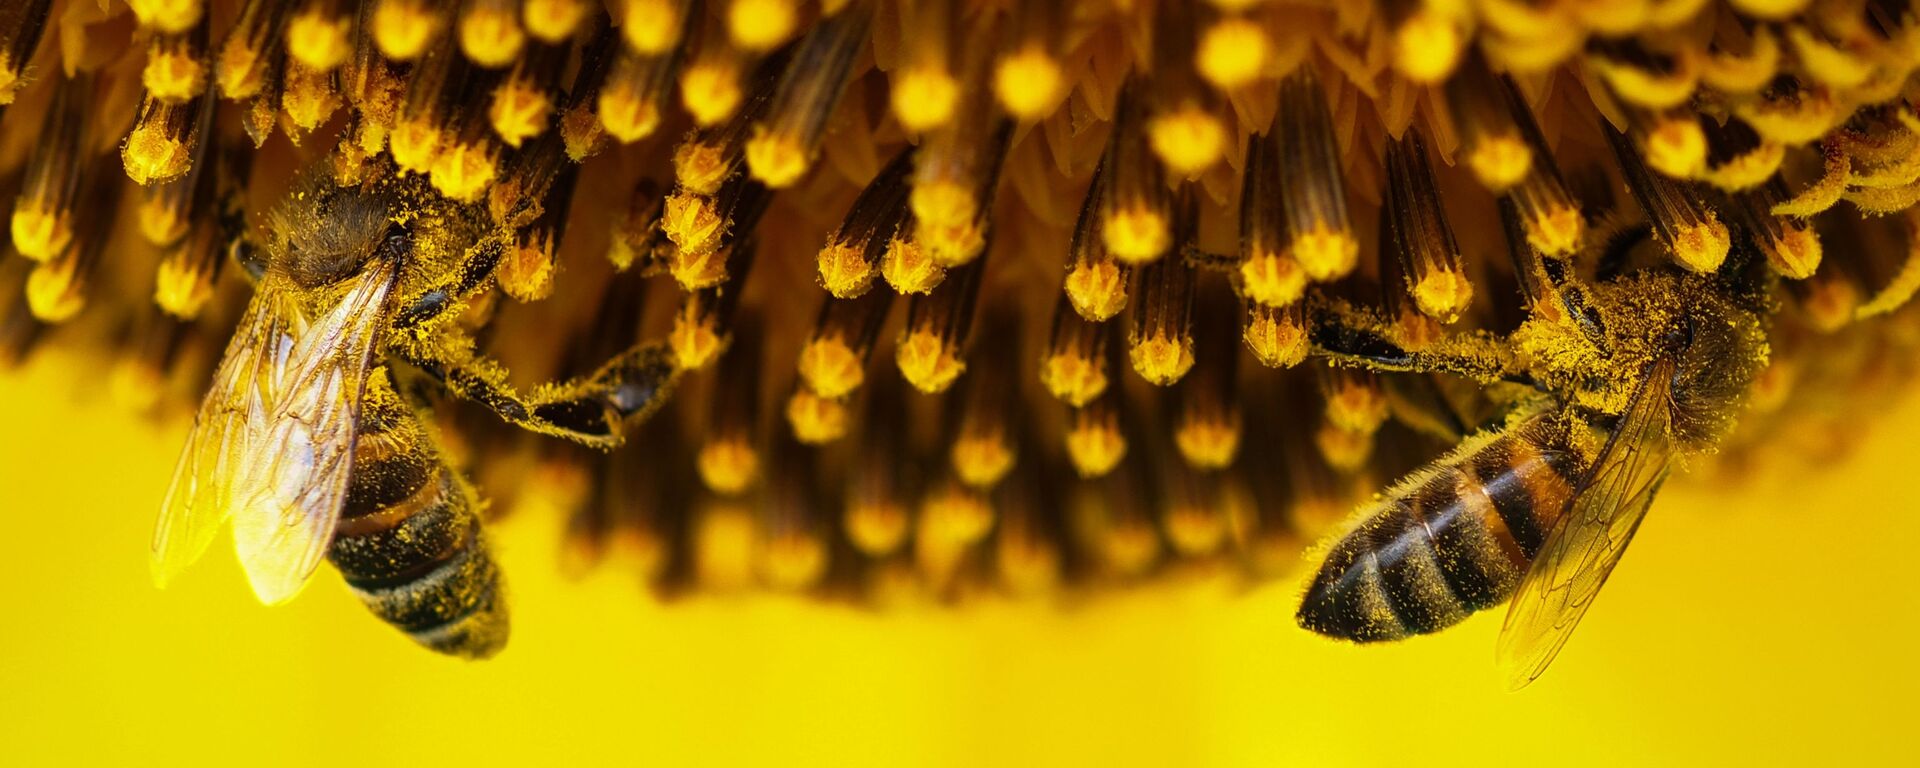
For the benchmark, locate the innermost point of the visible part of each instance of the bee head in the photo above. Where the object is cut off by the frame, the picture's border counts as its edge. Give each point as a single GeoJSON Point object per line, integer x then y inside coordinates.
{"type": "Point", "coordinates": [1720, 345]}
{"type": "Point", "coordinates": [322, 233]}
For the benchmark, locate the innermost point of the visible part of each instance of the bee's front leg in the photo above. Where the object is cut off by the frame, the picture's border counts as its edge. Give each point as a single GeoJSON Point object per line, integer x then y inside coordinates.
{"type": "Point", "coordinates": [476, 267]}
{"type": "Point", "coordinates": [1348, 335]}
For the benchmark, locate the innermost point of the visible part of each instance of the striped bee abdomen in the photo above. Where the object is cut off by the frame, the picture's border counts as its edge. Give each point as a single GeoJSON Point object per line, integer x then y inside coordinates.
{"type": "Point", "coordinates": [1453, 539]}
{"type": "Point", "coordinates": [409, 542]}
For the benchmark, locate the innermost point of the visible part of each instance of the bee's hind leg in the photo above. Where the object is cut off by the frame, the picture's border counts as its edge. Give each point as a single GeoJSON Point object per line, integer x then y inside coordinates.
{"type": "Point", "coordinates": [593, 410]}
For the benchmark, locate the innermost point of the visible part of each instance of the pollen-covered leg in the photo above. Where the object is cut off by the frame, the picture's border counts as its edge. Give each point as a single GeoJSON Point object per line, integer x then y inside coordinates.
{"type": "Point", "coordinates": [593, 410]}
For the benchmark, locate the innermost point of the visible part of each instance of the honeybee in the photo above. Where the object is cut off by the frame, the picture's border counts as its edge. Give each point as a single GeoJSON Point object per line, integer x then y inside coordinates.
{"type": "Point", "coordinates": [306, 445]}
{"type": "Point", "coordinates": [1627, 378]}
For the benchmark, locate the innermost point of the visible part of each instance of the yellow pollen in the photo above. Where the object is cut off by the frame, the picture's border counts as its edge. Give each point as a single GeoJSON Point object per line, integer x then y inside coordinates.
{"type": "Point", "coordinates": [415, 145]}
{"type": "Point", "coordinates": [876, 528]}
{"type": "Point", "coordinates": [981, 461]}
{"type": "Point", "coordinates": [526, 273]}
{"type": "Point", "coordinates": [761, 25]}
{"type": "Point", "coordinates": [695, 341]}
{"type": "Point", "coordinates": [1427, 46]}
{"type": "Point", "coordinates": [1208, 443]}
{"type": "Point", "coordinates": [710, 91]}
{"type": "Point", "coordinates": [318, 42]}
{"type": "Point", "coordinates": [1326, 253]}
{"type": "Point", "coordinates": [1677, 148]}
{"type": "Point", "coordinates": [10, 81]}
{"type": "Point", "coordinates": [955, 515]}
{"type": "Point", "coordinates": [924, 98]}
{"type": "Point", "coordinates": [238, 72]}
{"type": "Point", "coordinates": [1232, 53]}
{"type": "Point", "coordinates": [1702, 247]}
{"type": "Point", "coordinates": [38, 233]}
{"type": "Point", "coordinates": [909, 269]}
{"type": "Point", "coordinates": [1356, 408]}
{"type": "Point", "coordinates": [943, 202]}
{"type": "Point", "coordinates": [52, 296]}
{"type": "Point", "coordinates": [1137, 234]}
{"type": "Point", "coordinates": [1443, 294]}
{"type": "Point", "coordinates": [173, 76]}
{"type": "Point", "coordinates": [1829, 305]}
{"type": "Point", "coordinates": [1500, 162]}
{"type": "Point", "coordinates": [951, 246]}
{"type": "Point", "coordinates": [652, 27]}
{"type": "Point", "coordinates": [844, 271]}
{"type": "Point", "coordinates": [700, 168]}
{"type": "Point", "coordinates": [491, 37]}
{"type": "Point", "coordinates": [1797, 254]}
{"type": "Point", "coordinates": [792, 561]}
{"type": "Point", "coordinates": [1028, 83]}
{"type": "Point", "coordinates": [160, 222]}
{"type": "Point", "coordinates": [309, 99]}
{"type": "Point", "coordinates": [1075, 380]}
{"type": "Point", "coordinates": [1195, 530]}
{"type": "Point", "coordinates": [1748, 170]}
{"type": "Point", "coordinates": [1189, 140]}
{"type": "Point", "coordinates": [927, 363]}
{"type": "Point", "coordinates": [180, 289]}
{"type": "Point", "coordinates": [151, 157]}
{"type": "Point", "coordinates": [1162, 360]}
{"type": "Point", "coordinates": [403, 29]}
{"type": "Point", "coordinates": [776, 159]}
{"type": "Point", "coordinates": [1095, 449]}
{"type": "Point", "coordinates": [1557, 232]}
{"type": "Point", "coordinates": [1345, 451]}
{"type": "Point", "coordinates": [170, 16]}
{"type": "Point", "coordinates": [1097, 290]}
{"type": "Point", "coordinates": [627, 116]}
{"type": "Point", "coordinates": [1130, 547]}
{"type": "Point", "coordinates": [816, 420]}
{"type": "Point", "coordinates": [728, 466]}
{"type": "Point", "coordinates": [1273, 340]}
{"type": "Point", "coordinates": [519, 111]}
{"type": "Point", "coordinates": [464, 171]}
{"type": "Point", "coordinates": [831, 368]}
{"type": "Point", "coordinates": [553, 21]}
{"type": "Point", "coordinates": [690, 222]}
{"type": "Point", "coordinates": [1272, 279]}
{"type": "Point", "coordinates": [580, 131]}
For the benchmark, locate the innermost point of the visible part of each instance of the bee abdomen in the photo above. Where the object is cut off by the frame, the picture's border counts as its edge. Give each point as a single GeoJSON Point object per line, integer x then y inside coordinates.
{"type": "Point", "coordinates": [422, 565]}
{"type": "Point", "coordinates": [1455, 543]}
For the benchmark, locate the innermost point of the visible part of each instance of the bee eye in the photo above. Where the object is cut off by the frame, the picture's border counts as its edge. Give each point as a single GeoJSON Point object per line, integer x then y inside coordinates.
{"type": "Point", "coordinates": [396, 244]}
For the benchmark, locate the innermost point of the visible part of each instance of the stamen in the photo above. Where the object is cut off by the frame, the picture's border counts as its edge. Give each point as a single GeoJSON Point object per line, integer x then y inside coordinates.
{"type": "Point", "coordinates": [930, 350]}
{"type": "Point", "coordinates": [1313, 188]}
{"type": "Point", "coordinates": [852, 255]}
{"type": "Point", "coordinates": [1419, 235]}
{"type": "Point", "coordinates": [833, 363]}
{"type": "Point", "coordinates": [1074, 368]}
{"type": "Point", "coordinates": [784, 143]}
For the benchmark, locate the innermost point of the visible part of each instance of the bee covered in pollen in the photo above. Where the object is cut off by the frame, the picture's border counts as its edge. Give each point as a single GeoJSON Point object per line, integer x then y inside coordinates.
{"type": "Point", "coordinates": [307, 444]}
{"type": "Point", "coordinates": [1644, 371]}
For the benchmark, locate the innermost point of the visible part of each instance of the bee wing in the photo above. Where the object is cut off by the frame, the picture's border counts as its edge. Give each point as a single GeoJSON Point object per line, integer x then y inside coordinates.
{"type": "Point", "coordinates": [273, 449]}
{"type": "Point", "coordinates": [199, 497]}
{"type": "Point", "coordinates": [1589, 538]}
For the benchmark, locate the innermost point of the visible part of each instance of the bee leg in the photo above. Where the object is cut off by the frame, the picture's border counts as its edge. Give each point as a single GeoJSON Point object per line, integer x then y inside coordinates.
{"type": "Point", "coordinates": [433, 303]}
{"type": "Point", "coordinates": [593, 410]}
{"type": "Point", "coordinates": [1349, 335]}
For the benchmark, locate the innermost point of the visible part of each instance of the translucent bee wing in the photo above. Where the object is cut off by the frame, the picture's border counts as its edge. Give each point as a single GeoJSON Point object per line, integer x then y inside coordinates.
{"type": "Point", "coordinates": [293, 479]}
{"type": "Point", "coordinates": [200, 495]}
{"type": "Point", "coordinates": [1587, 541]}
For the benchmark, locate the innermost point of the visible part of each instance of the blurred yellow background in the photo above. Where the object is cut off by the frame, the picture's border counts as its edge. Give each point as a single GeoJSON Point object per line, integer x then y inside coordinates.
{"type": "Point", "coordinates": [1771, 623]}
